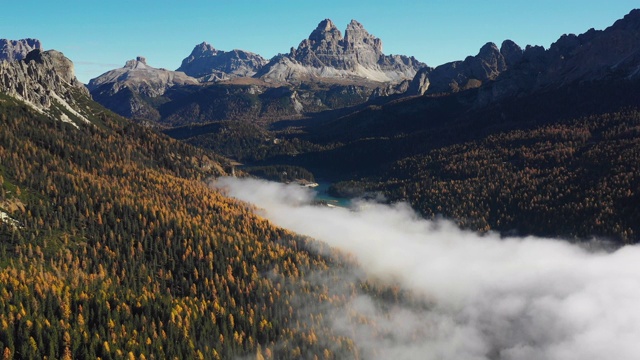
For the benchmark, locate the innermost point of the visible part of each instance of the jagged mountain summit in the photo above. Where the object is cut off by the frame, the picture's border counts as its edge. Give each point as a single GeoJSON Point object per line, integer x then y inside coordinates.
{"type": "Point", "coordinates": [206, 63]}
{"type": "Point", "coordinates": [46, 81]}
{"type": "Point", "coordinates": [11, 50]}
{"type": "Point", "coordinates": [612, 53]}
{"type": "Point", "coordinates": [326, 54]}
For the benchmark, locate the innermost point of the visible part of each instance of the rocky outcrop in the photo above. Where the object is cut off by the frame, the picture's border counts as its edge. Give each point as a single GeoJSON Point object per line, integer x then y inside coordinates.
{"type": "Point", "coordinates": [46, 81]}
{"type": "Point", "coordinates": [420, 83]}
{"type": "Point", "coordinates": [391, 89]}
{"type": "Point", "coordinates": [13, 50]}
{"type": "Point", "coordinates": [326, 54]}
{"type": "Point", "coordinates": [208, 64]}
{"type": "Point", "coordinates": [473, 72]}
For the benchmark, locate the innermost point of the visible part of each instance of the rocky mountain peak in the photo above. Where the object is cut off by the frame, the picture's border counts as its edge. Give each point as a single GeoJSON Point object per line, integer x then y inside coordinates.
{"type": "Point", "coordinates": [208, 64]}
{"type": "Point", "coordinates": [140, 62]}
{"type": "Point", "coordinates": [325, 38]}
{"type": "Point", "coordinates": [117, 89]}
{"type": "Point", "coordinates": [511, 52]}
{"type": "Point", "coordinates": [12, 50]}
{"type": "Point", "coordinates": [354, 24]}
{"type": "Point", "coordinates": [326, 54]}
{"type": "Point", "coordinates": [356, 36]}
{"type": "Point", "coordinates": [56, 60]}
{"type": "Point", "coordinates": [140, 77]}
{"type": "Point", "coordinates": [612, 53]}
{"type": "Point", "coordinates": [489, 63]}
{"type": "Point", "coordinates": [488, 50]}
{"type": "Point", "coordinates": [474, 71]}
{"type": "Point", "coordinates": [327, 31]}
{"type": "Point", "coordinates": [203, 49]}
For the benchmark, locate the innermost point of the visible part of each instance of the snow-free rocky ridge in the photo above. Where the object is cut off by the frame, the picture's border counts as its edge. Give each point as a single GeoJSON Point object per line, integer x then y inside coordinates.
{"type": "Point", "coordinates": [206, 63]}
{"type": "Point", "coordinates": [327, 55]}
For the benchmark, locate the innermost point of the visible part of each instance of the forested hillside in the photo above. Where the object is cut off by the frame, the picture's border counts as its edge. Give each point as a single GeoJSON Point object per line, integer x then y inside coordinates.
{"type": "Point", "coordinates": [112, 245]}
{"type": "Point", "coordinates": [575, 179]}
{"type": "Point", "coordinates": [560, 162]}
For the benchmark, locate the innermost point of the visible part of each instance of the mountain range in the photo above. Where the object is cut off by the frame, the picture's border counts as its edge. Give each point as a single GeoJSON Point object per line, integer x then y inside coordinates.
{"type": "Point", "coordinates": [352, 70]}
{"type": "Point", "coordinates": [320, 67]}
{"type": "Point", "coordinates": [594, 55]}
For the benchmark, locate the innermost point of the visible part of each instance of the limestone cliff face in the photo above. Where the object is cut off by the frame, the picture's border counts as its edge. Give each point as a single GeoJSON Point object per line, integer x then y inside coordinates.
{"type": "Point", "coordinates": [12, 50]}
{"type": "Point", "coordinates": [45, 80]}
{"type": "Point", "coordinates": [209, 64]}
{"type": "Point", "coordinates": [326, 54]}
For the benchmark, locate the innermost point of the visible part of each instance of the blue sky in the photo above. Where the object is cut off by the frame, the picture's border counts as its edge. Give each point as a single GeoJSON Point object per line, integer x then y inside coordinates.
{"type": "Point", "coordinates": [101, 35]}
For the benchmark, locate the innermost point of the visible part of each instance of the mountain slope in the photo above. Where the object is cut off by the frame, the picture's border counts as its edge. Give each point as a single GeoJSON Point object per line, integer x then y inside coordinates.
{"type": "Point", "coordinates": [127, 89]}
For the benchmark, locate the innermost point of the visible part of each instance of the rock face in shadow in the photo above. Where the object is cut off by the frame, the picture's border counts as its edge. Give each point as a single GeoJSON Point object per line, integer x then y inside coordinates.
{"type": "Point", "coordinates": [472, 72]}
{"type": "Point", "coordinates": [12, 50]}
{"type": "Point", "coordinates": [326, 54]}
{"type": "Point", "coordinates": [509, 71]}
{"type": "Point", "coordinates": [209, 64]}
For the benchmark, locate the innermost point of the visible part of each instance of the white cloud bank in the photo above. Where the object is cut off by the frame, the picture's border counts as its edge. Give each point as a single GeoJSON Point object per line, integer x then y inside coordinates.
{"type": "Point", "coordinates": [492, 297]}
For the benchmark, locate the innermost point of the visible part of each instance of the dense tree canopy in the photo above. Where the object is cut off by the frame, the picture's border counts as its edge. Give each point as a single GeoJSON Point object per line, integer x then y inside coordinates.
{"type": "Point", "coordinates": [117, 247]}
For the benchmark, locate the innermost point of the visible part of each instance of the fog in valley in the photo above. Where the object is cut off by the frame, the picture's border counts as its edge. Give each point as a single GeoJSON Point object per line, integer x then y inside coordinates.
{"type": "Point", "coordinates": [485, 297]}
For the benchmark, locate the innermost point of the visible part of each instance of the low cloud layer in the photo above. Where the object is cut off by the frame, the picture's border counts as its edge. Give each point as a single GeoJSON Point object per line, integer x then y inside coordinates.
{"type": "Point", "coordinates": [490, 297]}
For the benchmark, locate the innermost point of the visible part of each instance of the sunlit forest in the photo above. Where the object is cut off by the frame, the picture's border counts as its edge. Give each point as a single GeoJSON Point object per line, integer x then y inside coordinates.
{"type": "Point", "coordinates": [116, 247]}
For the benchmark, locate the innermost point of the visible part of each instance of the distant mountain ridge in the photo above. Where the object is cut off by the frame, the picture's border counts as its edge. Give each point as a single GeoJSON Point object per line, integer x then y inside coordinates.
{"type": "Point", "coordinates": [472, 72]}
{"type": "Point", "coordinates": [138, 76]}
{"type": "Point", "coordinates": [325, 72]}
{"type": "Point", "coordinates": [126, 89]}
{"type": "Point", "coordinates": [328, 60]}
{"type": "Point", "coordinates": [594, 55]}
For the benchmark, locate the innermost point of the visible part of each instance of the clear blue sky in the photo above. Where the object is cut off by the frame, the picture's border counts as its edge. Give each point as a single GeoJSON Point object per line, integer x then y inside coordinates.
{"type": "Point", "coordinates": [101, 35]}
